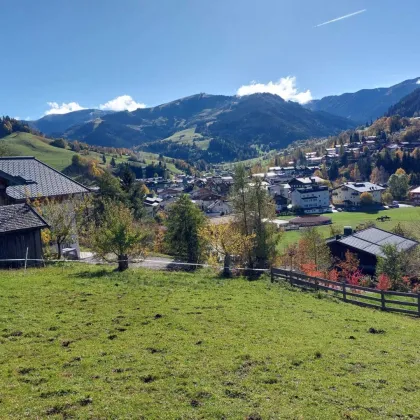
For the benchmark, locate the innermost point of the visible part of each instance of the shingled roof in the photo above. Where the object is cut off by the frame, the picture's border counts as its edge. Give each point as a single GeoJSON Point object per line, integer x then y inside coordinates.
{"type": "Point", "coordinates": [31, 178]}
{"type": "Point", "coordinates": [19, 217]}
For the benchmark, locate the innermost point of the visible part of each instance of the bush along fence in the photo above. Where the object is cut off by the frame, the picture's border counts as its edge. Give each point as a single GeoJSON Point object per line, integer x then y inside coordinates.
{"type": "Point", "coordinates": [406, 303]}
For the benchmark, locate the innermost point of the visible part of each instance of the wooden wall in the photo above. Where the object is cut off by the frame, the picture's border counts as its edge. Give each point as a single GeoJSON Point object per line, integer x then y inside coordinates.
{"type": "Point", "coordinates": [13, 245]}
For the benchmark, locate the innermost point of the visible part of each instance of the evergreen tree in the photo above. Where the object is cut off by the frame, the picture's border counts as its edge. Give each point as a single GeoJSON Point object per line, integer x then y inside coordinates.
{"type": "Point", "coordinates": [183, 226]}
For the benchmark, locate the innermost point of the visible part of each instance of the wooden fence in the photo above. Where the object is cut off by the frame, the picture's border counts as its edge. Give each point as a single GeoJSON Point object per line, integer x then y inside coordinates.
{"type": "Point", "coordinates": [358, 295]}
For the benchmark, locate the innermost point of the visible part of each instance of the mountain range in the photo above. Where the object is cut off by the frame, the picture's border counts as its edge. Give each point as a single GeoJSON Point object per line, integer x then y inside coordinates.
{"type": "Point", "coordinates": [214, 127]}
{"type": "Point", "coordinates": [364, 105]}
{"type": "Point", "coordinates": [409, 106]}
{"type": "Point", "coordinates": [223, 128]}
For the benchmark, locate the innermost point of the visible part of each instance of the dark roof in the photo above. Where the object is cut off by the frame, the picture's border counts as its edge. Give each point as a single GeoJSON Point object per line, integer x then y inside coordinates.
{"type": "Point", "coordinates": [372, 240]}
{"type": "Point", "coordinates": [37, 179]}
{"type": "Point", "coordinates": [310, 220]}
{"type": "Point", "coordinates": [20, 217]}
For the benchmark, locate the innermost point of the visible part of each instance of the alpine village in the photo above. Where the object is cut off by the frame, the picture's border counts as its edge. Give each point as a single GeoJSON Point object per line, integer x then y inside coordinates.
{"type": "Point", "coordinates": [197, 259]}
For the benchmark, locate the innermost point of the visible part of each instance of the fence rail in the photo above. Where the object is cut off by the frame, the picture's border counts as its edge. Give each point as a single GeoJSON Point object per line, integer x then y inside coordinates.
{"type": "Point", "coordinates": [357, 295]}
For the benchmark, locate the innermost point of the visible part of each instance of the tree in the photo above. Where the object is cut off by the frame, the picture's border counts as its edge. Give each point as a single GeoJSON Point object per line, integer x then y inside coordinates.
{"type": "Point", "coordinates": [103, 159]}
{"type": "Point", "coordinates": [366, 199]}
{"type": "Point", "coordinates": [61, 217]}
{"type": "Point", "coordinates": [333, 173]}
{"type": "Point", "coordinates": [384, 283]}
{"type": "Point", "coordinates": [387, 197]}
{"type": "Point", "coordinates": [266, 236]}
{"type": "Point", "coordinates": [314, 249]}
{"type": "Point", "coordinates": [399, 185]}
{"type": "Point", "coordinates": [119, 234]}
{"type": "Point", "coordinates": [113, 163]}
{"type": "Point", "coordinates": [253, 210]}
{"type": "Point", "coordinates": [61, 143]}
{"type": "Point", "coordinates": [226, 240]}
{"type": "Point", "coordinates": [355, 173]}
{"type": "Point", "coordinates": [127, 176]}
{"type": "Point", "coordinates": [349, 266]}
{"type": "Point", "coordinates": [183, 225]}
{"type": "Point", "coordinates": [400, 171]}
{"type": "Point", "coordinates": [392, 265]}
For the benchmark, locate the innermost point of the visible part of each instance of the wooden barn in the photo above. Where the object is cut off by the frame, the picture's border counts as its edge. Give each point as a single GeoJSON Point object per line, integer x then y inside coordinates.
{"type": "Point", "coordinates": [367, 245]}
{"type": "Point", "coordinates": [20, 235]}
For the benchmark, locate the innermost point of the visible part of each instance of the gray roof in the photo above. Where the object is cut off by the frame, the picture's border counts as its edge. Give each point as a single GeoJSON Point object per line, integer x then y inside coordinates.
{"type": "Point", "coordinates": [372, 240]}
{"type": "Point", "coordinates": [362, 186]}
{"type": "Point", "coordinates": [19, 217]}
{"type": "Point", "coordinates": [33, 178]}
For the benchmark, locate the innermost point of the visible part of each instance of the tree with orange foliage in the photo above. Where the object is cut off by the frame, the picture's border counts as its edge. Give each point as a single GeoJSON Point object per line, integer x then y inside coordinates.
{"type": "Point", "coordinates": [349, 266]}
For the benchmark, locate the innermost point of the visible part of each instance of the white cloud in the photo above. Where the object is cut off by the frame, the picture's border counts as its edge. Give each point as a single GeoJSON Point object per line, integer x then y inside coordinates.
{"type": "Point", "coordinates": [64, 108]}
{"type": "Point", "coordinates": [341, 18]}
{"type": "Point", "coordinates": [285, 87]}
{"type": "Point", "coordinates": [122, 103]}
{"type": "Point", "coordinates": [418, 82]}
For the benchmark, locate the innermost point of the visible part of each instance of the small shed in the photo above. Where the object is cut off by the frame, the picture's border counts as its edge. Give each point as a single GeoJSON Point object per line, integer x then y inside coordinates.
{"type": "Point", "coordinates": [20, 235]}
{"type": "Point", "coordinates": [306, 221]}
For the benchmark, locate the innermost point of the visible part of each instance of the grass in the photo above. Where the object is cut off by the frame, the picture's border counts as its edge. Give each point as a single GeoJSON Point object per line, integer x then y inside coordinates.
{"type": "Point", "coordinates": [408, 216]}
{"type": "Point", "coordinates": [26, 144]}
{"type": "Point", "coordinates": [99, 344]}
{"type": "Point", "coordinates": [188, 137]}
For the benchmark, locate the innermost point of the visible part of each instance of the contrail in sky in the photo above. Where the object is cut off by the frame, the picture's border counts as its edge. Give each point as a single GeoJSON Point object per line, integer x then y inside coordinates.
{"type": "Point", "coordinates": [341, 18]}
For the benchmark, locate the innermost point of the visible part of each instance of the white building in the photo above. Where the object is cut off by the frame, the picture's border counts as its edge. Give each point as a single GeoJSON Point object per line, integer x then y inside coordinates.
{"type": "Point", "coordinates": [349, 193]}
{"type": "Point", "coordinates": [220, 207]}
{"type": "Point", "coordinates": [312, 199]}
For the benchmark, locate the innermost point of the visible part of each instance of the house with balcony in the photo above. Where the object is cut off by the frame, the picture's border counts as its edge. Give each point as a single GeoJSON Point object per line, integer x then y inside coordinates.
{"type": "Point", "coordinates": [349, 194]}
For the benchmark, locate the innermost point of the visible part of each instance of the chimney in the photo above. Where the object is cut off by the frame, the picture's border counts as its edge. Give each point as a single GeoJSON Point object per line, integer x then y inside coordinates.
{"type": "Point", "coordinates": [348, 230]}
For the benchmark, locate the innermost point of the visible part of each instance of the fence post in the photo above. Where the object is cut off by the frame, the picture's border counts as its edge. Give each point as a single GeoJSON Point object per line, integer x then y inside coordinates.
{"type": "Point", "coordinates": [383, 307]}
{"type": "Point", "coordinates": [26, 257]}
{"type": "Point", "coordinates": [272, 275]}
{"type": "Point", "coordinates": [343, 285]}
{"type": "Point", "coordinates": [418, 301]}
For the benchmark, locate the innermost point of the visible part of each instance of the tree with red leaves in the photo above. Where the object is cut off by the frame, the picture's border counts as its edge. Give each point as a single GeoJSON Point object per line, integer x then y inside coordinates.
{"type": "Point", "coordinates": [384, 282]}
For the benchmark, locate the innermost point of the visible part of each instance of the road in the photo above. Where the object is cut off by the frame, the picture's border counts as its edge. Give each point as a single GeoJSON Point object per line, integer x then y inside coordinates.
{"type": "Point", "coordinates": [154, 263]}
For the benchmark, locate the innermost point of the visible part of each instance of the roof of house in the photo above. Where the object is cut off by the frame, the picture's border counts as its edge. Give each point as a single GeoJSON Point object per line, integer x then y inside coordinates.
{"type": "Point", "coordinates": [371, 241]}
{"type": "Point", "coordinates": [361, 186]}
{"type": "Point", "coordinates": [307, 180]}
{"type": "Point", "coordinates": [20, 217]}
{"type": "Point", "coordinates": [415, 190]}
{"type": "Point", "coordinates": [31, 178]}
{"type": "Point", "coordinates": [310, 220]}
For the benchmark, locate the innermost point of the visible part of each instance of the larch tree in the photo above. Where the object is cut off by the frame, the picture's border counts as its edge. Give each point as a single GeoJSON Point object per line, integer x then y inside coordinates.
{"type": "Point", "coordinates": [226, 240]}
{"type": "Point", "coordinates": [119, 234]}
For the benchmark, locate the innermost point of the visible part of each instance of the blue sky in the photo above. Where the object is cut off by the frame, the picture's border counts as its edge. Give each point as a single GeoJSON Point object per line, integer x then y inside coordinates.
{"type": "Point", "coordinates": [87, 53]}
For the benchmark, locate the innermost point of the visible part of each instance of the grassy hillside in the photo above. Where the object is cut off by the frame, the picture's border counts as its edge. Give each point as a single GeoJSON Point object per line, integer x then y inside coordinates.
{"type": "Point", "coordinates": [409, 216]}
{"type": "Point", "coordinates": [142, 344]}
{"type": "Point", "coordinates": [26, 144]}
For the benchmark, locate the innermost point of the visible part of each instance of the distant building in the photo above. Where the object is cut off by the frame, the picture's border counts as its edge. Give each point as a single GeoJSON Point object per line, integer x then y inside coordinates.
{"type": "Point", "coordinates": [349, 194]}
{"type": "Point", "coordinates": [313, 199]}
{"type": "Point", "coordinates": [281, 203]}
{"type": "Point", "coordinates": [220, 207]}
{"type": "Point", "coordinates": [367, 245]}
{"type": "Point", "coordinates": [309, 195]}
{"type": "Point", "coordinates": [415, 196]}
